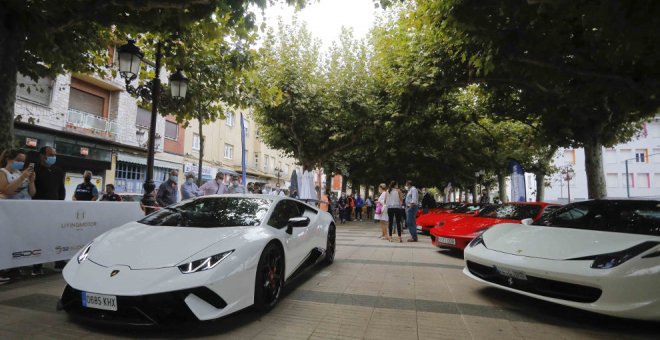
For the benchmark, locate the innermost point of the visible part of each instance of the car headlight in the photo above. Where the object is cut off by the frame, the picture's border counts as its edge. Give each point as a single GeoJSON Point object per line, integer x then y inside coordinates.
{"type": "Point", "coordinates": [611, 260]}
{"type": "Point", "coordinates": [204, 264]}
{"type": "Point", "coordinates": [83, 254]}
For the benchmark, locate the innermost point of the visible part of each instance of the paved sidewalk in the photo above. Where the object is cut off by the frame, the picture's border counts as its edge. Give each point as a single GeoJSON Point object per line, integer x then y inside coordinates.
{"type": "Point", "coordinates": [374, 290]}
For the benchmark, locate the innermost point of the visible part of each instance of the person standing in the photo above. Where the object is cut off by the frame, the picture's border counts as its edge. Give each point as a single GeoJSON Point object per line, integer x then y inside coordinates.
{"type": "Point", "coordinates": [189, 189]}
{"type": "Point", "coordinates": [86, 191]}
{"type": "Point", "coordinates": [214, 187]}
{"type": "Point", "coordinates": [359, 203]}
{"type": "Point", "coordinates": [342, 204]}
{"type": "Point", "coordinates": [393, 201]}
{"type": "Point", "coordinates": [381, 211]}
{"type": "Point", "coordinates": [428, 202]}
{"type": "Point", "coordinates": [16, 183]}
{"type": "Point", "coordinates": [235, 187]}
{"type": "Point", "coordinates": [351, 207]}
{"type": "Point", "coordinates": [168, 192]}
{"type": "Point", "coordinates": [412, 205]}
{"type": "Point", "coordinates": [110, 194]}
{"type": "Point", "coordinates": [484, 197]}
{"type": "Point", "coordinates": [370, 207]}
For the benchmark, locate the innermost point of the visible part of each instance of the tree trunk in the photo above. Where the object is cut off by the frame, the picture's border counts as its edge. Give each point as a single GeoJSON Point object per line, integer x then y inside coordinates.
{"type": "Point", "coordinates": [474, 193]}
{"type": "Point", "coordinates": [11, 42]}
{"type": "Point", "coordinates": [201, 153]}
{"type": "Point", "coordinates": [328, 181]}
{"type": "Point", "coordinates": [501, 183]}
{"type": "Point", "coordinates": [593, 164]}
{"type": "Point", "coordinates": [540, 186]}
{"type": "Point", "coordinates": [344, 182]}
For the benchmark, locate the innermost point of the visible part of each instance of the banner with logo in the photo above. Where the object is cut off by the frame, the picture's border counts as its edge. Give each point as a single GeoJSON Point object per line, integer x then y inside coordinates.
{"type": "Point", "coordinates": [518, 192]}
{"type": "Point", "coordinates": [34, 232]}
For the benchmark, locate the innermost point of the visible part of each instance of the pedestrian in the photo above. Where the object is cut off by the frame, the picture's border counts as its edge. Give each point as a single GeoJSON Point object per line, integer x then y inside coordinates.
{"type": "Point", "coordinates": [189, 189]}
{"type": "Point", "coordinates": [215, 186]}
{"type": "Point", "coordinates": [294, 194]}
{"type": "Point", "coordinates": [86, 191]}
{"type": "Point", "coordinates": [370, 207]}
{"type": "Point", "coordinates": [325, 201]}
{"type": "Point", "coordinates": [49, 183]}
{"type": "Point", "coordinates": [393, 201]}
{"type": "Point", "coordinates": [351, 207]}
{"type": "Point", "coordinates": [359, 203]}
{"type": "Point", "coordinates": [412, 204]}
{"type": "Point", "coordinates": [484, 196]}
{"type": "Point", "coordinates": [168, 192]}
{"type": "Point", "coordinates": [381, 211]}
{"type": "Point", "coordinates": [16, 180]}
{"type": "Point", "coordinates": [110, 194]}
{"type": "Point", "coordinates": [235, 187]}
{"type": "Point", "coordinates": [342, 204]}
{"type": "Point", "coordinates": [250, 188]}
{"type": "Point", "coordinates": [333, 205]}
{"type": "Point", "coordinates": [428, 202]}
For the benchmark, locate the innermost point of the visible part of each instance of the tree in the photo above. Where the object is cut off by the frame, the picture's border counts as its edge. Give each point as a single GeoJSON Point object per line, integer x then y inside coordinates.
{"type": "Point", "coordinates": [78, 33]}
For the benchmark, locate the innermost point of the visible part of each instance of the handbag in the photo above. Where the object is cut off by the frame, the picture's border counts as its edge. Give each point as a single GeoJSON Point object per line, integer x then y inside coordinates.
{"type": "Point", "coordinates": [379, 208]}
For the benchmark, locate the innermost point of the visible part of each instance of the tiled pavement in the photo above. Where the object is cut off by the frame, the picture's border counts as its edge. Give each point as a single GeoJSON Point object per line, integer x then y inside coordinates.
{"type": "Point", "coordinates": [374, 290]}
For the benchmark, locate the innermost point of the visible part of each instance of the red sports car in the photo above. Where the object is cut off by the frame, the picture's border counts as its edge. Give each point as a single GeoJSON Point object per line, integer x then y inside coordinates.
{"type": "Point", "coordinates": [440, 207]}
{"type": "Point", "coordinates": [426, 222]}
{"type": "Point", "coordinates": [458, 233]}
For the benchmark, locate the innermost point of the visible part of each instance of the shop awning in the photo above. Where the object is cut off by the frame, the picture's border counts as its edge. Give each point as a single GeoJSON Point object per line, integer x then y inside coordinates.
{"type": "Point", "coordinates": [228, 172]}
{"type": "Point", "coordinates": [136, 159]}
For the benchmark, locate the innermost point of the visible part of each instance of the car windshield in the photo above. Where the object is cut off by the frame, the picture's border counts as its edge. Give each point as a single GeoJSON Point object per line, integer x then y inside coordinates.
{"type": "Point", "coordinates": [631, 217]}
{"type": "Point", "coordinates": [512, 211]}
{"type": "Point", "coordinates": [211, 212]}
{"type": "Point", "coordinates": [450, 205]}
{"type": "Point", "coordinates": [467, 209]}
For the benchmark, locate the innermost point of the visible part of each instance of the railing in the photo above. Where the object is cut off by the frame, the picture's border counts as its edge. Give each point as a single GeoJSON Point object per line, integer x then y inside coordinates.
{"type": "Point", "coordinates": [90, 121]}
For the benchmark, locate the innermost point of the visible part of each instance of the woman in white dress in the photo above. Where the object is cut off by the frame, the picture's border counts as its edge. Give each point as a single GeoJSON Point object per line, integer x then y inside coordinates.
{"type": "Point", "coordinates": [380, 207]}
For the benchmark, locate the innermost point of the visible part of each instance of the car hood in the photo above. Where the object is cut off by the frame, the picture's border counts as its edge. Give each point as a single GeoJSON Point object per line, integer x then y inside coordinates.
{"type": "Point", "coordinates": [467, 226]}
{"type": "Point", "coordinates": [141, 246]}
{"type": "Point", "coordinates": [433, 219]}
{"type": "Point", "coordinates": [557, 243]}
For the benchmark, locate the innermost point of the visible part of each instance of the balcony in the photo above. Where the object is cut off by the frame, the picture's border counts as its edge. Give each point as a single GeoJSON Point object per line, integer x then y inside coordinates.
{"type": "Point", "coordinates": [89, 122]}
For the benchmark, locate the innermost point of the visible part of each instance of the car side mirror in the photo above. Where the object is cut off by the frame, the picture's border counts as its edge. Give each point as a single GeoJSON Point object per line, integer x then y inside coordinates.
{"type": "Point", "coordinates": [296, 222]}
{"type": "Point", "coordinates": [527, 221]}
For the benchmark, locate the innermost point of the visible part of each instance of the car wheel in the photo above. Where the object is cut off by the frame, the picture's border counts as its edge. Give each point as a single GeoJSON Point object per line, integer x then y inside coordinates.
{"type": "Point", "coordinates": [270, 278]}
{"type": "Point", "coordinates": [330, 246]}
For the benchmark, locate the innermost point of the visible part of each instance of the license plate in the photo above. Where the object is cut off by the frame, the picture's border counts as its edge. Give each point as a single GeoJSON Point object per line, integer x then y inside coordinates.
{"type": "Point", "coordinates": [99, 301]}
{"type": "Point", "coordinates": [419, 228]}
{"type": "Point", "coordinates": [511, 273]}
{"type": "Point", "coordinates": [446, 240]}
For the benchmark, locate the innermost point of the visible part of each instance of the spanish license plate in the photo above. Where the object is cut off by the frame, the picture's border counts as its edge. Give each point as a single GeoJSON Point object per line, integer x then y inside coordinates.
{"type": "Point", "coordinates": [447, 240]}
{"type": "Point", "coordinates": [99, 301]}
{"type": "Point", "coordinates": [511, 273]}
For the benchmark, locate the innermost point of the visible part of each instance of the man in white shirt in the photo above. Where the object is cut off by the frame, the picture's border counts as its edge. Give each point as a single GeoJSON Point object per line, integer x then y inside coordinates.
{"type": "Point", "coordinates": [412, 204]}
{"type": "Point", "coordinates": [235, 187]}
{"type": "Point", "coordinates": [214, 187]}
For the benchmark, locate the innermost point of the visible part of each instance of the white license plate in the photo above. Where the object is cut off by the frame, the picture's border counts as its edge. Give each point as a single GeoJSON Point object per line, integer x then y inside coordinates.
{"type": "Point", "coordinates": [419, 228]}
{"type": "Point", "coordinates": [511, 273]}
{"type": "Point", "coordinates": [446, 240]}
{"type": "Point", "coordinates": [99, 301]}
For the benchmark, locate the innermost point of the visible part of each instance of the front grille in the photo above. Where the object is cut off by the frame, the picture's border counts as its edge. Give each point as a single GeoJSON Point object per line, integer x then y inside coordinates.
{"type": "Point", "coordinates": [536, 285]}
{"type": "Point", "coordinates": [146, 310]}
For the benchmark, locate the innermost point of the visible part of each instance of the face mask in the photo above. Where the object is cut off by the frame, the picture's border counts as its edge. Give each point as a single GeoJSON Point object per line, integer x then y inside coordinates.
{"type": "Point", "coordinates": [174, 178]}
{"type": "Point", "coordinates": [219, 181]}
{"type": "Point", "coordinates": [234, 183]}
{"type": "Point", "coordinates": [87, 178]}
{"type": "Point", "coordinates": [407, 187]}
{"type": "Point", "coordinates": [189, 181]}
{"type": "Point", "coordinates": [50, 160]}
{"type": "Point", "coordinates": [18, 166]}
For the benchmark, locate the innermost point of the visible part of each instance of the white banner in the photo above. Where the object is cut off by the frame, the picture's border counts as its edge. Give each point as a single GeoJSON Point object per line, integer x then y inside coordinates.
{"type": "Point", "coordinates": [34, 232]}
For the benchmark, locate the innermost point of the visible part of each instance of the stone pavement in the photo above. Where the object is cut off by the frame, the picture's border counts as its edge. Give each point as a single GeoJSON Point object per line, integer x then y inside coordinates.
{"type": "Point", "coordinates": [374, 290]}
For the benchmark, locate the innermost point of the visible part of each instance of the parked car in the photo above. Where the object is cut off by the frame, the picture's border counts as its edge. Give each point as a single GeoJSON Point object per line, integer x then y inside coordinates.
{"type": "Point", "coordinates": [440, 207]}
{"type": "Point", "coordinates": [200, 259]}
{"type": "Point", "coordinates": [130, 197]}
{"type": "Point", "coordinates": [602, 256]}
{"type": "Point", "coordinates": [426, 222]}
{"type": "Point", "coordinates": [457, 234]}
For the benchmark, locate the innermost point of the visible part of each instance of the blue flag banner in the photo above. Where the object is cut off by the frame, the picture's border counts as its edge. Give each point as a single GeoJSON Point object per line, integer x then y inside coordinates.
{"type": "Point", "coordinates": [518, 192]}
{"type": "Point", "coordinates": [243, 171]}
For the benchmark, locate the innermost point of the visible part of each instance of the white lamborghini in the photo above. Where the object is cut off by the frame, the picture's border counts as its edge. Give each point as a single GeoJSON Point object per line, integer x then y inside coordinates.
{"type": "Point", "coordinates": [602, 256]}
{"type": "Point", "coordinates": [200, 259]}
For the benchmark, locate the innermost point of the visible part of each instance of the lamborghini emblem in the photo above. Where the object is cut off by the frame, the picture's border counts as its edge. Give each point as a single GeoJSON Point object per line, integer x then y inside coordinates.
{"type": "Point", "coordinates": [114, 272]}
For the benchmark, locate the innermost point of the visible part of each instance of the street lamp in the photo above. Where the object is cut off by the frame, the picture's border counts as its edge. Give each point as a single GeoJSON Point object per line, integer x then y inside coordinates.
{"type": "Point", "coordinates": [130, 59]}
{"type": "Point", "coordinates": [278, 171]}
{"type": "Point", "coordinates": [569, 173]}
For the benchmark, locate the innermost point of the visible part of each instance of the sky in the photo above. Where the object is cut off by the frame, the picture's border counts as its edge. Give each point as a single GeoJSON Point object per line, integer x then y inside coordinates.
{"type": "Point", "coordinates": [325, 18]}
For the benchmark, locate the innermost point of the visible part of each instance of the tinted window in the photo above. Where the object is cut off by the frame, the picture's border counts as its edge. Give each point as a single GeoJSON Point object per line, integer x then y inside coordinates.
{"type": "Point", "coordinates": [468, 209]}
{"type": "Point", "coordinates": [450, 205]}
{"type": "Point", "coordinates": [212, 212]}
{"type": "Point", "coordinates": [284, 210]}
{"type": "Point", "coordinates": [512, 211]}
{"type": "Point", "coordinates": [632, 217]}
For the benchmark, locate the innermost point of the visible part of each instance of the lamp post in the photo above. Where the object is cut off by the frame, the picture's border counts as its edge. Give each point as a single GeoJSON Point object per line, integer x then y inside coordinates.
{"type": "Point", "coordinates": [278, 171]}
{"type": "Point", "coordinates": [130, 59]}
{"type": "Point", "coordinates": [569, 173]}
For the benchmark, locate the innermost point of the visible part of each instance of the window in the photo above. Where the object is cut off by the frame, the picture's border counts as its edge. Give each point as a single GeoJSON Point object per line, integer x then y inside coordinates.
{"type": "Point", "coordinates": [229, 151]}
{"type": "Point", "coordinates": [656, 180]}
{"type": "Point", "coordinates": [655, 156]}
{"type": "Point", "coordinates": [625, 154]}
{"type": "Point", "coordinates": [230, 118]}
{"type": "Point", "coordinates": [143, 118]}
{"type": "Point", "coordinates": [256, 159]}
{"type": "Point", "coordinates": [513, 211]}
{"type": "Point", "coordinates": [282, 213]}
{"type": "Point", "coordinates": [171, 130]}
{"type": "Point", "coordinates": [266, 161]}
{"type": "Point", "coordinates": [246, 128]}
{"type": "Point", "coordinates": [612, 180]}
{"type": "Point", "coordinates": [610, 156]}
{"type": "Point", "coordinates": [37, 91]}
{"type": "Point", "coordinates": [569, 156]}
{"type": "Point", "coordinates": [286, 169]}
{"type": "Point", "coordinates": [641, 156]}
{"type": "Point", "coordinates": [631, 181]}
{"type": "Point", "coordinates": [86, 102]}
{"type": "Point", "coordinates": [643, 180]}
{"type": "Point", "coordinates": [196, 145]}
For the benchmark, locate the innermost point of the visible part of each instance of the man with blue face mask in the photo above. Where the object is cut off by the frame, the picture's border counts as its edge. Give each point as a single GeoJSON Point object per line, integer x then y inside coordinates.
{"type": "Point", "coordinates": [189, 189]}
{"type": "Point", "coordinates": [168, 192]}
{"type": "Point", "coordinates": [49, 178]}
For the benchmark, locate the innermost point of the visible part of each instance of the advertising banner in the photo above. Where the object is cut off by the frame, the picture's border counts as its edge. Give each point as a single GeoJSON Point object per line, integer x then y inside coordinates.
{"type": "Point", "coordinates": [518, 193]}
{"type": "Point", "coordinates": [34, 232]}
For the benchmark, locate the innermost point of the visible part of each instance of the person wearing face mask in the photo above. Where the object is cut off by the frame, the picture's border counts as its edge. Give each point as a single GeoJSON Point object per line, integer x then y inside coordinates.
{"type": "Point", "coordinates": [110, 194]}
{"type": "Point", "coordinates": [86, 191]}
{"type": "Point", "coordinates": [342, 204]}
{"type": "Point", "coordinates": [214, 187]}
{"type": "Point", "coordinates": [16, 183]}
{"type": "Point", "coordinates": [235, 187]}
{"type": "Point", "coordinates": [168, 192]}
{"type": "Point", "coordinates": [189, 189]}
{"type": "Point", "coordinates": [49, 178]}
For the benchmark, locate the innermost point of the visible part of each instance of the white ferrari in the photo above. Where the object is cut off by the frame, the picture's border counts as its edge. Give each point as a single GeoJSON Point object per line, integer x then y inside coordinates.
{"type": "Point", "coordinates": [200, 259]}
{"type": "Point", "coordinates": [602, 256]}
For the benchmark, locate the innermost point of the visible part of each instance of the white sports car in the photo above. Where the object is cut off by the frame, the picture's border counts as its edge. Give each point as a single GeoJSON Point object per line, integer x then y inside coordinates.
{"type": "Point", "coordinates": [602, 256]}
{"type": "Point", "coordinates": [200, 259]}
